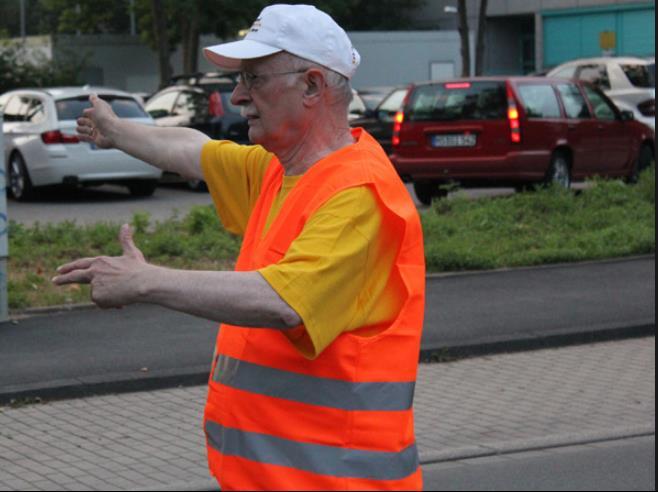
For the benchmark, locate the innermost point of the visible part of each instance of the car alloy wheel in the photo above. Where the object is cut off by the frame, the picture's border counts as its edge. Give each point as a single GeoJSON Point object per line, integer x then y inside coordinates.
{"type": "Point", "coordinates": [559, 172]}
{"type": "Point", "coordinates": [20, 185]}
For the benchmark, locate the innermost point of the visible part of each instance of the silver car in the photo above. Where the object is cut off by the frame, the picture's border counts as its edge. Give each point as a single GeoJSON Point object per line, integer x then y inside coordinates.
{"type": "Point", "coordinates": [629, 82]}
{"type": "Point", "coordinates": [41, 146]}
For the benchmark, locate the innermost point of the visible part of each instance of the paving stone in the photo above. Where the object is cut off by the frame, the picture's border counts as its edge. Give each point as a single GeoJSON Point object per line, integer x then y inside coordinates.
{"type": "Point", "coordinates": [153, 439]}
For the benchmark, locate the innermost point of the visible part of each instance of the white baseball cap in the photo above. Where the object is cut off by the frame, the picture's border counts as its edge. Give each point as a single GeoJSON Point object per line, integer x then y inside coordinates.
{"type": "Point", "coordinates": [301, 30]}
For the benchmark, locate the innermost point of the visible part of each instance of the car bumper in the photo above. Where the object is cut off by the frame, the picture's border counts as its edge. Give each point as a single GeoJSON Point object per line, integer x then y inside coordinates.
{"type": "Point", "coordinates": [80, 163]}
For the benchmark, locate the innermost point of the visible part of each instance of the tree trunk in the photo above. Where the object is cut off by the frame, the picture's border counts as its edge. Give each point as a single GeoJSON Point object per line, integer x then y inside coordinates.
{"type": "Point", "coordinates": [479, 45]}
{"type": "Point", "coordinates": [162, 41]}
{"type": "Point", "coordinates": [465, 42]}
{"type": "Point", "coordinates": [190, 37]}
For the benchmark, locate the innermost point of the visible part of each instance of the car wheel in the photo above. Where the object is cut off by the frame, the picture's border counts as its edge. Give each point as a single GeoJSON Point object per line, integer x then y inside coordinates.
{"type": "Point", "coordinates": [425, 191]}
{"type": "Point", "coordinates": [197, 185]}
{"type": "Point", "coordinates": [144, 187]}
{"type": "Point", "coordinates": [20, 185]}
{"type": "Point", "coordinates": [644, 160]}
{"type": "Point", "coordinates": [559, 172]}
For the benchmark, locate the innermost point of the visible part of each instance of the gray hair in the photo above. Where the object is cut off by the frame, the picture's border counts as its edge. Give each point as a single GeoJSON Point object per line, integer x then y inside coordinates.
{"type": "Point", "coordinates": [339, 85]}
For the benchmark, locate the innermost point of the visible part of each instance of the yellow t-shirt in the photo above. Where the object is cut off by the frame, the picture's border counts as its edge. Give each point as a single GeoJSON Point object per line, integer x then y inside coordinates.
{"type": "Point", "coordinates": [335, 273]}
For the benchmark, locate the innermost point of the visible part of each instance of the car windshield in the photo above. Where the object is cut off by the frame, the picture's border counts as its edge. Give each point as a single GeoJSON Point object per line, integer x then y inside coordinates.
{"type": "Point", "coordinates": [459, 101]}
{"type": "Point", "coordinates": [641, 75]}
{"type": "Point", "coordinates": [124, 107]}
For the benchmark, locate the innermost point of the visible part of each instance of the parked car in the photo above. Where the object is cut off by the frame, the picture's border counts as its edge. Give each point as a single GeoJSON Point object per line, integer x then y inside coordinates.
{"type": "Point", "coordinates": [41, 146]}
{"type": "Point", "coordinates": [372, 96]}
{"type": "Point", "coordinates": [379, 121]}
{"type": "Point", "coordinates": [514, 131]}
{"type": "Point", "coordinates": [629, 82]}
{"type": "Point", "coordinates": [201, 101]}
{"type": "Point", "coordinates": [357, 107]}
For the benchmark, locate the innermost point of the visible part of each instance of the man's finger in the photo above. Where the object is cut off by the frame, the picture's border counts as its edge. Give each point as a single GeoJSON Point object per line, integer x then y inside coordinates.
{"type": "Point", "coordinates": [128, 244]}
{"type": "Point", "coordinates": [81, 264]}
{"type": "Point", "coordinates": [74, 277]}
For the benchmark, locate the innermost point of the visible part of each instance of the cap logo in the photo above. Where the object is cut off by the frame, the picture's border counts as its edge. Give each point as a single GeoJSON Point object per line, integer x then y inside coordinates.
{"type": "Point", "coordinates": [256, 25]}
{"type": "Point", "coordinates": [353, 56]}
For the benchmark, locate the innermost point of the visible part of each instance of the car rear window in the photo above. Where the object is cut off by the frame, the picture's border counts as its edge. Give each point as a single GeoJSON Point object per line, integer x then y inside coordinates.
{"type": "Point", "coordinates": [124, 107]}
{"type": "Point", "coordinates": [452, 101]}
{"type": "Point", "coordinates": [539, 101]}
{"type": "Point", "coordinates": [641, 75]}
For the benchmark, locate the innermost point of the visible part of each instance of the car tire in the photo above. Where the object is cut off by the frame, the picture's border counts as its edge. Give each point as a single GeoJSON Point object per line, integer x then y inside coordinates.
{"type": "Point", "coordinates": [645, 159]}
{"type": "Point", "coordinates": [425, 191]}
{"type": "Point", "coordinates": [144, 187]}
{"type": "Point", "coordinates": [197, 185]}
{"type": "Point", "coordinates": [559, 172]}
{"type": "Point", "coordinates": [20, 185]}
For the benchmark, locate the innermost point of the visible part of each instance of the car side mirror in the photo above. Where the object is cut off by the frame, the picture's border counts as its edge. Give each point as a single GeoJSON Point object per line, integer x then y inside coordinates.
{"type": "Point", "coordinates": [627, 115]}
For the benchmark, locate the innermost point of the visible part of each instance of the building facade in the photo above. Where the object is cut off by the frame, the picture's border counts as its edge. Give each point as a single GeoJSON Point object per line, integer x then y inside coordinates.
{"type": "Point", "coordinates": [524, 36]}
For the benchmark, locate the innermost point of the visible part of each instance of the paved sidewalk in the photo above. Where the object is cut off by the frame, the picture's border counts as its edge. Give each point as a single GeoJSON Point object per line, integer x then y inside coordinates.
{"type": "Point", "coordinates": [473, 407]}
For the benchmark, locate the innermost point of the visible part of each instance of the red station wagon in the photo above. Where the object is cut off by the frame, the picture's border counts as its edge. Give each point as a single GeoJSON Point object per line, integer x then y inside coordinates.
{"type": "Point", "coordinates": [515, 131]}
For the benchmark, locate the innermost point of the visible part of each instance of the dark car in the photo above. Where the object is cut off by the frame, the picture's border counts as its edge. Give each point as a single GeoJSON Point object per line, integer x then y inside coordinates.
{"type": "Point", "coordinates": [514, 131]}
{"type": "Point", "coordinates": [200, 101]}
{"type": "Point", "coordinates": [379, 121]}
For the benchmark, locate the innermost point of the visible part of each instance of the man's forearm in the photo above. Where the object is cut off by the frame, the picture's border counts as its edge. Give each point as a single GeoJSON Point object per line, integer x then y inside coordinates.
{"type": "Point", "coordinates": [237, 298]}
{"type": "Point", "coordinates": [170, 149]}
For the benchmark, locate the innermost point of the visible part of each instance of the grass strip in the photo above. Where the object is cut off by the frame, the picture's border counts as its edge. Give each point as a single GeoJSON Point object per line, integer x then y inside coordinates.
{"type": "Point", "coordinates": [606, 220]}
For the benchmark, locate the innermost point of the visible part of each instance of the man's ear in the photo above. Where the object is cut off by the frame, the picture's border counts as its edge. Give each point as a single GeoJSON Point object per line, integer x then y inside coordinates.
{"type": "Point", "coordinates": [315, 85]}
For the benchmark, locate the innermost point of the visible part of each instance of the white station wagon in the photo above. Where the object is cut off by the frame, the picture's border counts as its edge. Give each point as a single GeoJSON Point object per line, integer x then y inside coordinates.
{"type": "Point", "coordinates": [42, 148]}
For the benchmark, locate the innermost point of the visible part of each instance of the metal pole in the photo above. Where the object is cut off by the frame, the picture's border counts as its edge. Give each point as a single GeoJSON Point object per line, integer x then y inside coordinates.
{"type": "Point", "coordinates": [22, 8]}
{"type": "Point", "coordinates": [4, 246]}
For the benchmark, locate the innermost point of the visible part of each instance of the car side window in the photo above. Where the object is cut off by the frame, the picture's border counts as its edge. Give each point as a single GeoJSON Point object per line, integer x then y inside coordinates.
{"type": "Point", "coordinates": [539, 101]}
{"type": "Point", "coordinates": [16, 108]}
{"type": "Point", "coordinates": [602, 108]}
{"type": "Point", "coordinates": [565, 73]}
{"type": "Point", "coordinates": [35, 112]}
{"type": "Point", "coordinates": [191, 105]}
{"type": "Point", "coordinates": [575, 105]}
{"type": "Point", "coordinates": [161, 106]}
{"type": "Point", "coordinates": [597, 75]}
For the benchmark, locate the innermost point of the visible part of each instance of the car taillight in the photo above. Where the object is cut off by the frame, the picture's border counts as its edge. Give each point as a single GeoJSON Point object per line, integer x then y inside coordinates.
{"type": "Point", "coordinates": [647, 108]}
{"type": "Point", "coordinates": [57, 137]}
{"type": "Point", "coordinates": [215, 105]}
{"type": "Point", "coordinates": [513, 117]}
{"type": "Point", "coordinates": [397, 126]}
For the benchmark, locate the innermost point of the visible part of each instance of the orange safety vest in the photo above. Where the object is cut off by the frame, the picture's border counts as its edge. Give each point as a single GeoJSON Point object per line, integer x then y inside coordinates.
{"type": "Point", "coordinates": [278, 421]}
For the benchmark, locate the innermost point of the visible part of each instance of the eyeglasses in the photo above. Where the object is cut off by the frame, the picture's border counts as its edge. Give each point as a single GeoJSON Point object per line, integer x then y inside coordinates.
{"type": "Point", "coordinates": [249, 79]}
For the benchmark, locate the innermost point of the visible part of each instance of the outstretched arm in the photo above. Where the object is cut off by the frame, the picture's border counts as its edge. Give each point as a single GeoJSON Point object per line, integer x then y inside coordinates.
{"type": "Point", "coordinates": [170, 149]}
{"type": "Point", "coordinates": [238, 298]}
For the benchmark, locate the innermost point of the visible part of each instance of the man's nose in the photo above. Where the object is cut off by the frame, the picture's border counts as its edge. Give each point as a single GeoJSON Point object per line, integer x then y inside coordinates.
{"type": "Point", "coordinates": [240, 95]}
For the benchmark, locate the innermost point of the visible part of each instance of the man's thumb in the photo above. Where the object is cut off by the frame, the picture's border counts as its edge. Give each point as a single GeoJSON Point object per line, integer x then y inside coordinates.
{"type": "Point", "coordinates": [127, 243]}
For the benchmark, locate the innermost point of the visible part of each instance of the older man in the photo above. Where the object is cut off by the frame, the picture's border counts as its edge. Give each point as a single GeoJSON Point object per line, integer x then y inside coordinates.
{"type": "Point", "coordinates": [312, 382]}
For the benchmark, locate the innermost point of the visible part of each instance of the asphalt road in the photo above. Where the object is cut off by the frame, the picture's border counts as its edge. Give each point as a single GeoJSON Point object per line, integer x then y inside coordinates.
{"type": "Point", "coordinates": [476, 313]}
{"type": "Point", "coordinates": [114, 203]}
{"type": "Point", "coordinates": [627, 464]}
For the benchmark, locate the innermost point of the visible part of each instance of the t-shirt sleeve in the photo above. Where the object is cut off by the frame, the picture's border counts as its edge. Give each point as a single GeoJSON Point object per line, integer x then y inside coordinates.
{"type": "Point", "coordinates": [234, 174]}
{"type": "Point", "coordinates": [334, 271]}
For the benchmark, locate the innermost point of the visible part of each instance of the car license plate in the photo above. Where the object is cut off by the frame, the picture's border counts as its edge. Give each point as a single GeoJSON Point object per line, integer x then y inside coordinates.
{"type": "Point", "coordinates": [454, 140]}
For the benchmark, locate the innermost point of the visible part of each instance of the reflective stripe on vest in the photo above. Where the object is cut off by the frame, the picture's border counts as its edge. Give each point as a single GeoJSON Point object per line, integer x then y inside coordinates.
{"type": "Point", "coordinates": [313, 390]}
{"type": "Point", "coordinates": [316, 458]}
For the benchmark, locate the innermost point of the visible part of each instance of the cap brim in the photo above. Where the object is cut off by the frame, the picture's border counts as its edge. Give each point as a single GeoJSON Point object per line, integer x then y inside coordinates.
{"type": "Point", "coordinates": [229, 55]}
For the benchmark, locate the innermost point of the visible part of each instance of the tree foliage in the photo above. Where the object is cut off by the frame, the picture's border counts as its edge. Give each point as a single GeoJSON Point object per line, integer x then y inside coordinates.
{"type": "Point", "coordinates": [18, 68]}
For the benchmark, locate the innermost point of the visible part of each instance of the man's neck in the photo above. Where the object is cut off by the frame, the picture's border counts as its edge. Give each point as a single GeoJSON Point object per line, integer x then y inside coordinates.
{"type": "Point", "coordinates": [310, 150]}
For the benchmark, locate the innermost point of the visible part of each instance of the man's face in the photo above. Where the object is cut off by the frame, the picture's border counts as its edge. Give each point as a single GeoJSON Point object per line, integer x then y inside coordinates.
{"type": "Point", "coordinates": [273, 105]}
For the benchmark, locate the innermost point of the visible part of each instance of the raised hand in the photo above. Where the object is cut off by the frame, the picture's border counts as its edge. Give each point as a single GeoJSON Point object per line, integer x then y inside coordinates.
{"type": "Point", "coordinates": [94, 126]}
